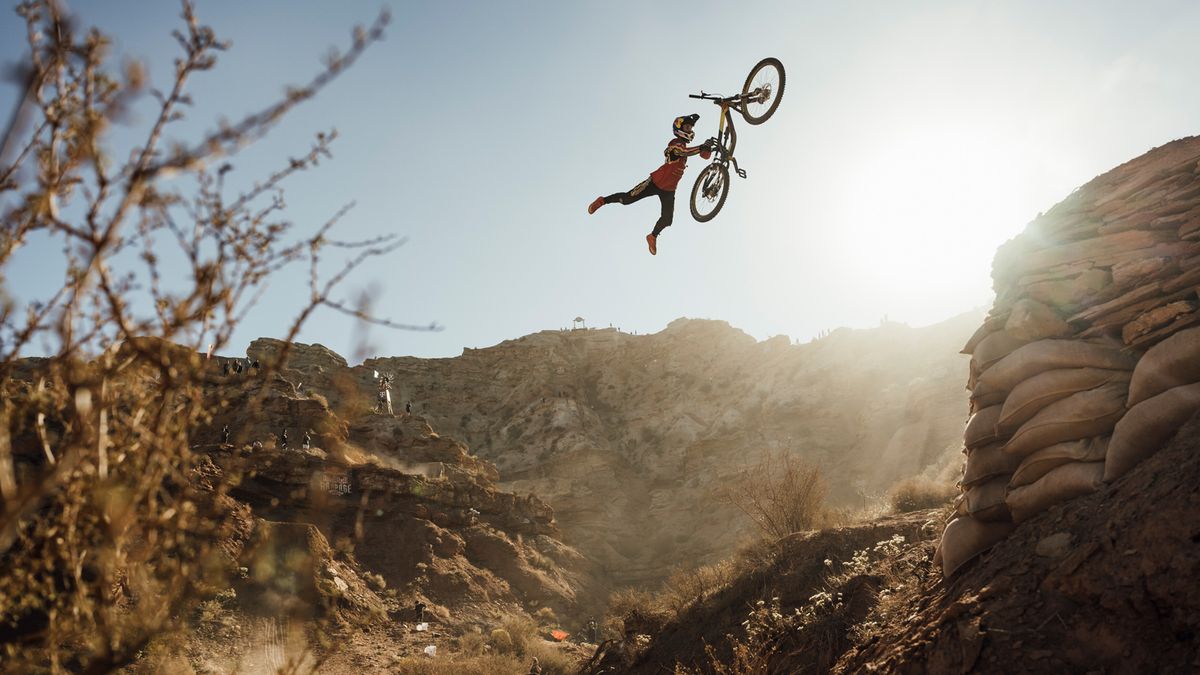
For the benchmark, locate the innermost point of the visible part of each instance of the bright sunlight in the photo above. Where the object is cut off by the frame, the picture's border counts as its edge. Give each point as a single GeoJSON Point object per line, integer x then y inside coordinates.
{"type": "Point", "coordinates": [941, 199]}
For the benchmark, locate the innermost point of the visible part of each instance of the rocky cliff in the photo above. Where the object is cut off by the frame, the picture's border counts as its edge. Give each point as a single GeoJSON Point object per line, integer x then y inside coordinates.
{"type": "Point", "coordinates": [416, 506]}
{"type": "Point", "coordinates": [630, 437]}
{"type": "Point", "coordinates": [339, 514]}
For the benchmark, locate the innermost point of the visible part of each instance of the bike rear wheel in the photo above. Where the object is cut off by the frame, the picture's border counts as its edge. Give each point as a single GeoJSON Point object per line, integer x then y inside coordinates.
{"type": "Point", "coordinates": [709, 192]}
{"type": "Point", "coordinates": [763, 91]}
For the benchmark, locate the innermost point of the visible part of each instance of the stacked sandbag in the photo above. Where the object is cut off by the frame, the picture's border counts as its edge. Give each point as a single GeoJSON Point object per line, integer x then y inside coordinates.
{"type": "Point", "coordinates": [1089, 360]}
{"type": "Point", "coordinates": [1163, 394]}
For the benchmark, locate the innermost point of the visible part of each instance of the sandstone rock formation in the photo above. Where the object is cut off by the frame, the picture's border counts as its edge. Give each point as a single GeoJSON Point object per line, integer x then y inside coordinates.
{"type": "Point", "coordinates": [418, 509]}
{"type": "Point", "coordinates": [630, 437]}
{"type": "Point", "coordinates": [353, 496]}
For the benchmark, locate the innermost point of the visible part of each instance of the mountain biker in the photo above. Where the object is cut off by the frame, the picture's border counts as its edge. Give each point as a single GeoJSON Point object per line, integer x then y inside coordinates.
{"type": "Point", "coordinates": [663, 181]}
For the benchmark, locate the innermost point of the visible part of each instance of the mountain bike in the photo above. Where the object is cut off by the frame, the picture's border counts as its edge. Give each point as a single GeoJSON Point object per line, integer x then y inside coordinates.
{"type": "Point", "coordinates": [758, 101]}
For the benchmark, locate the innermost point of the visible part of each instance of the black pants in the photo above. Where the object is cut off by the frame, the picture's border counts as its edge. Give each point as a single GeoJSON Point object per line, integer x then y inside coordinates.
{"type": "Point", "coordinates": [645, 189]}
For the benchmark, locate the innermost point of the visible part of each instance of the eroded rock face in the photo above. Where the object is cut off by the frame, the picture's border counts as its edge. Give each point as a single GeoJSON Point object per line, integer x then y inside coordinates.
{"type": "Point", "coordinates": [630, 438]}
{"type": "Point", "coordinates": [416, 507]}
{"type": "Point", "coordinates": [300, 356]}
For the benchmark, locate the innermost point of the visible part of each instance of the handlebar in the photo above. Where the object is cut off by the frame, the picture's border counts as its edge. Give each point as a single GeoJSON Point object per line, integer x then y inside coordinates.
{"type": "Point", "coordinates": [717, 99]}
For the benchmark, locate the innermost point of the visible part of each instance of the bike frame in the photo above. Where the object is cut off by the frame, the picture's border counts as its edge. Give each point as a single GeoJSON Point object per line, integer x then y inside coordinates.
{"type": "Point", "coordinates": [712, 185]}
{"type": "Point", "coordinates": [725, 103]}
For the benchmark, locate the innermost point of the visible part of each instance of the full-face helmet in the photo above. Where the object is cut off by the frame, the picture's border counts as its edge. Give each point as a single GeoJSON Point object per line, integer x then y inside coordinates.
{"type": "Point", "coordinates": [686, 134]}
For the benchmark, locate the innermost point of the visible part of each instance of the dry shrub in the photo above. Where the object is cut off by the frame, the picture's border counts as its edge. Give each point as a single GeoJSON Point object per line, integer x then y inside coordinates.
{"type": "Point", "coordinates": [518, 640]}
{"type": "Point", "coordinates": [375, 581]}
{"type": "Point", "coordinates": [632, 611]}
{"type": "Point", "coordinates": [917, 493]}
{"type": "Point", "coordinates": [546, 617]}
{"type": "Point", "coordinates": [758, 553]}
{"type": "Point", "coordinates": [500, 640]}
{"type": "Point", "coordinates": [514, 635]}
{"type": "Point", "coordinates": [522, 630]}
{"type": "Point", "coordinates": [781, 494]}
{"type": "Point", "coordinates": [472, 643]}
{"type": "Point", "coordinates": [539, 560]}
{"type": "Point", "coordinates": [111, 525]}
{"type": "Point", "coordinates": [686, 586]}
{"type": "Point", "coordinates": [862, 594]}
{"type": "Point", "coordinates": [552, 659]}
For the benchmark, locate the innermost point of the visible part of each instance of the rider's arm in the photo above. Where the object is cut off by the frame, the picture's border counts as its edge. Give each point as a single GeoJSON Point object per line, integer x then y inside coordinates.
{"type": "Point", "coordinates": [678, 151]}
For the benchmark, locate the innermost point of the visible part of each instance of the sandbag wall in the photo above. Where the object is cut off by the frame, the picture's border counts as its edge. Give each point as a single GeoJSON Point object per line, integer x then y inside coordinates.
{"type": "Point", "coordinates": [1089, 360]}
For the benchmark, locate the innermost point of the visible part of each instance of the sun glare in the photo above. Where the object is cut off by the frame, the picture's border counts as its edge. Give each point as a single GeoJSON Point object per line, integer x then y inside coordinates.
{"type": "Point", "coordinates": [923, 217]}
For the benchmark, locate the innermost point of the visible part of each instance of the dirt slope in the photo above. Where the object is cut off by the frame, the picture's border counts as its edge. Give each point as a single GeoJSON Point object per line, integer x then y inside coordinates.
{"type": "Point", "coordinates": [1105, 583]}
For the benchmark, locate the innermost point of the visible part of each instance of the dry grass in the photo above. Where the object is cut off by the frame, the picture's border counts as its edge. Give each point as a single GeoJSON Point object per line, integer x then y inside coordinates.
{"type": "Point", "coordinates": [507, 648]}
{"type": "Point", "coordinates": [687, 587]}
{"type": "Point", "coordinates": [632, 611]}
{"type": "Point", "coordinates": [918, 493]}
{"type": "Point", "coordinates": [861, 594]}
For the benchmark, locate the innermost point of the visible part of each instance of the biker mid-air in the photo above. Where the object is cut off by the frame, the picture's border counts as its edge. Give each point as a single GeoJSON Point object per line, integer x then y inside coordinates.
{"type": "Point", "coordinates": [759, 99]}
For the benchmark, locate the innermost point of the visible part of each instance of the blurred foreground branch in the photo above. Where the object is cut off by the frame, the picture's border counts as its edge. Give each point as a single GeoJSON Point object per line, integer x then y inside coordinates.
{"type": "Point", "coordinates": [109, 522]}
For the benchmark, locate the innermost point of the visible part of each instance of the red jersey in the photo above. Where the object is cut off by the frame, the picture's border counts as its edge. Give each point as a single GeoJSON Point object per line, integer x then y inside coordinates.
{"type": "Point", "coordinates": [667, 176]}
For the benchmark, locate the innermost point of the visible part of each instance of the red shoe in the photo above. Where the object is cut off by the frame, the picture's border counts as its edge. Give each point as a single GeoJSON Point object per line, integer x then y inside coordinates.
{"type": "Point", "coordinates": [596, 205]}
{"type": "Point", "coordinates": [653, 241]}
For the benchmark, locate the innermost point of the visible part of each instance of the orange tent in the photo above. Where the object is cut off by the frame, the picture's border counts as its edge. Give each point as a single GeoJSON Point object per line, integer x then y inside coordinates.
{"type": "Point", "coordinates": [559, 635]}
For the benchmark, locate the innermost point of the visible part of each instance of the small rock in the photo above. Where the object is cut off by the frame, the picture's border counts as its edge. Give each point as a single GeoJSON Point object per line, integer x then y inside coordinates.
{"type": "Point", "coordinates": [1056, 545]}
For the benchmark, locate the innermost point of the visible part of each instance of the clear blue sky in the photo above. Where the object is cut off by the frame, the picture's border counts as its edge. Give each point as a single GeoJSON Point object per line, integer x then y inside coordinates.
{"type": "Point", "coordinates": [913, 139]}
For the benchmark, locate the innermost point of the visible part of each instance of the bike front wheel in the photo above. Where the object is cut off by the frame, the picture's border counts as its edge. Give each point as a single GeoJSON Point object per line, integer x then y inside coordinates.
{"type": "Point", "coordinates": [710, 191]}
{"type": "Point", "coordinates": [763, 91]}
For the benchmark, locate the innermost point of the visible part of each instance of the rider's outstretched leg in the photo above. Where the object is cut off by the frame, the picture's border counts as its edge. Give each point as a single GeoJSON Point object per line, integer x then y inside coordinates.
{"type": "Point", "coordinates": [638, 192]}
{"type": "Point", "coordinates": [667, 200]}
